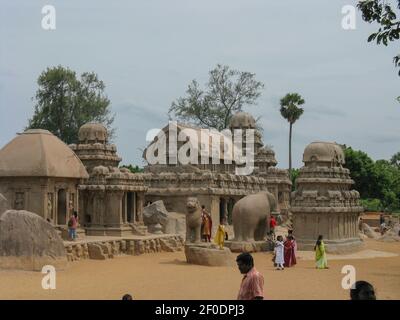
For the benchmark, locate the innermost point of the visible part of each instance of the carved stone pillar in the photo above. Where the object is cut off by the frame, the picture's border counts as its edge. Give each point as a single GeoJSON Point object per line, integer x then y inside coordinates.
{"type": "Point", "coordinates": [139, 208]}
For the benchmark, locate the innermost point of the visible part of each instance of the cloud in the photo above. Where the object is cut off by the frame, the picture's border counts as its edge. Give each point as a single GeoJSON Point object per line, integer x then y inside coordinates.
{"type": "Point", "coordinates": [325, 111]}
{"type": "Point", "coordinates": [129, 109]}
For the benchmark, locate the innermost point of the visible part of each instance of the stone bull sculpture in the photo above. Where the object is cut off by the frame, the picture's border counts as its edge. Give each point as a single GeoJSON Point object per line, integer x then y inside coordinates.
{"type": "Point", "coordinates": [251, 216]}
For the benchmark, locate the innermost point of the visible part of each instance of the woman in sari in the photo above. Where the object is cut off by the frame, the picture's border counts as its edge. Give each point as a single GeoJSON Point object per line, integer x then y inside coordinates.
{"type": "Point", "coordinates": [206, 226]}
{"type": "Point", "coordinates": [290, 251]}
{"type": "Point", "coordinates": [320, 254]}
{"type": "Point", "coordinates": [219, 238]}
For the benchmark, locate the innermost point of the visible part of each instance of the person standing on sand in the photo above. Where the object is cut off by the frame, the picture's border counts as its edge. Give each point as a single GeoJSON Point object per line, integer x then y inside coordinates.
{"type": "Point", "coordinates": [320, 254]}
{"type": "Point", "coordinates": [206, 225]}
{"type": "Point", "coordinates": [289, 249]}
{"type": "Point", "coordinates": [279, 253]}
{"type": "Point", "coordinates": [219, 238]}
{"type": "Point", "coordinates": [72, 225]}
{"type": "Point", "coordinates": [290, 234]}
{"type": "Point", "coordinates": [252, 285]}
{"type": "Point", "coordinates": [272, 225]}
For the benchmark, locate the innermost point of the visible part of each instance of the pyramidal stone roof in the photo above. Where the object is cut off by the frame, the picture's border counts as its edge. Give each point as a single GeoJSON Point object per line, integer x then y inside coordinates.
{"type": "Point", "coordinates": [38, 153]}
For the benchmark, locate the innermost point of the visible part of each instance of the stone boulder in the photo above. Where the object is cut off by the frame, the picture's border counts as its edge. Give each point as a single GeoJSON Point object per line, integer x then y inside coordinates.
{"type": "Point", "coordinates": [369, 232]}
{"type": "Point", "coordinates": [208, 255]}
{"type": "Point", "coordinates": [4, 205]}
{"type": "Point", "coordinates": [171, 222]}
{"type": "Point", "coordinates": [155, 213]}
{"type": "Point", "coordinates": [28, 242]}
{"type": "Point", "coordinates": [392, 234]}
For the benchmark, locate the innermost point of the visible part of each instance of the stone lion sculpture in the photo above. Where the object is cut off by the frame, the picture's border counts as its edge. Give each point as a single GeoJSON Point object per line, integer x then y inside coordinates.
{"type": "Point", "coordinates": [193, 220]}
{"type": "Point", "coordinates": [250, 216]}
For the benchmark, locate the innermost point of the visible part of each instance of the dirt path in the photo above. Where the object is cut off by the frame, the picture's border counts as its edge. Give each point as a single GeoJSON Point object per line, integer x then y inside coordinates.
{"type": "Point", "coordinates": [167, 276]}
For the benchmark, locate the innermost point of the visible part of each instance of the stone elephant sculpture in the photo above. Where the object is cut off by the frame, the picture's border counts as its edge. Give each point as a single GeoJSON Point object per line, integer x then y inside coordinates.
{"type": "Point", "coordinates": [193, 220]}
{"type": "Point", "coordinates": [251, 215]}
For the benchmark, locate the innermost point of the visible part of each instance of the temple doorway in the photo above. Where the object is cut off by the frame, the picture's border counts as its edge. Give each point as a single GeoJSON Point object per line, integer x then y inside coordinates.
{"type": "Point", "coordinates": [61, 207]}
{"type": "Point", "coordinates": [222, 203]}
{"type": "Point", "coordinates": [130, 207]}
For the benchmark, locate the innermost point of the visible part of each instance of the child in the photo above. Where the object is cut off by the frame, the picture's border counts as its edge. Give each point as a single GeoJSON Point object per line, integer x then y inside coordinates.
{"type": "Point", "coordinates": [279, 256]}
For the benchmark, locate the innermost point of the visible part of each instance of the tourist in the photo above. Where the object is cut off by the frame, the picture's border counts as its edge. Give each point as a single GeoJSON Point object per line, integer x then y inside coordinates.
{"type": "Point", "coordinates": [127, 297]}
{"type": "Point", "coordinates": [279, 253]}
{"type": "Point", "coordinates": [290, 233]}
{"type": "Point", "coordinates": [206, 225]}
{"type": "Point", "coordinates": [289, 251]}
{"type": "Point", "coordinates": [220, 236]}
{"type": "Point", "coordinates": [320, 254]}
{"type": "Point", "coordinates": [383, 228]}
{"type": "Point", "coordinates": [362, 290]}
{"type": "Point", "coordinates": [252, 286]}
{"type": "Point", "coordinates": [72, 225]}
{"type": "Point", "coordinates": [381, 219]}
{"type": "Point", "coordinates": [272, 225]}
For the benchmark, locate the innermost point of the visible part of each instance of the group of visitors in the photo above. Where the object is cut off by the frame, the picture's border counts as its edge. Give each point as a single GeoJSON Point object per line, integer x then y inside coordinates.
{"type": "Point", "coordinates": [285, 252]}
{"type": "Point", "coordinates": [206, 227]}
{"type": "Point", "coordinates": [252, 285]}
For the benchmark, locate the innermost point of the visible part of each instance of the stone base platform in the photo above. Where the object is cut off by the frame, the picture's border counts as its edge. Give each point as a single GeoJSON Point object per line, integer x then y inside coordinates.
{"type": "Point", "coordinates": [332, 246]}
{"type": "Point", "coordinates": [101, 248]}
{"type": "Point", "coordinates": [207, 254]}
{"type": "Point", "coordinates": [241, 246]}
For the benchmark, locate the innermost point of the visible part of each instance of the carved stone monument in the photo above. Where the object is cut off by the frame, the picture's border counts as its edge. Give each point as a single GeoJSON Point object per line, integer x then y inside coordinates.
{"type": "Point", "coordinates": [323, 203]}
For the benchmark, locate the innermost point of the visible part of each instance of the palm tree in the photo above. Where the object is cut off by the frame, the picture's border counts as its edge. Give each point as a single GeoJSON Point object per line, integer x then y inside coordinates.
{"type": "Point", "coordinates": [291, 112]}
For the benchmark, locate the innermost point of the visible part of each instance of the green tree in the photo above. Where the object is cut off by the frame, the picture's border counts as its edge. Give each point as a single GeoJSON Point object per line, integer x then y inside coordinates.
{"type": "Point", "coordinates": [378, 182]}
{"type": "Point", "coordinates": [395, 160]}
{"type": "Point", "coordinates": [291, 111]}
{"type": "Point", "coordinates": [64, 103]}
{"type": "Point", "coordinates": [382, 12]}
{"type": "Point", "coordinates": [294, 175]}
{"type": "Point", "coordinates": [133, 169]}
{"type": "Point", "coordinates": [226, 93]}
{"type": "Point", "coordinates": [362, 171]}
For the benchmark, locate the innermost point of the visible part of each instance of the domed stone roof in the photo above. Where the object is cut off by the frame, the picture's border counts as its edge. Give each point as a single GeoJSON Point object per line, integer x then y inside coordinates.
{"type": "Point", "coordinates": [93, 133]}
{"type": "Point", "coordinates": [242, 120]}
{"type": "Point", "coordinates": [38, 153]}
{"type": "Point", "coordinates": [323, 152]}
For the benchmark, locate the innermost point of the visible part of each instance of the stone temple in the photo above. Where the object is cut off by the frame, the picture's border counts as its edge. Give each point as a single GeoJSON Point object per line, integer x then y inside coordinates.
{"type": "Point", "coordinates": [112, 199]}
{"type": "Point", "coordinates": [41, 174]}
{"type": "Point", "coordinates": [323, 203]}
{"type": "Point", "coordinates": [215, 185]}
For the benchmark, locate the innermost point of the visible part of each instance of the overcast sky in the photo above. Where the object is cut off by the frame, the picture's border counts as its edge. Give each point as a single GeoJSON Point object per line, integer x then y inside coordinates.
{"type": "Point", "coordinates": [147, 52]}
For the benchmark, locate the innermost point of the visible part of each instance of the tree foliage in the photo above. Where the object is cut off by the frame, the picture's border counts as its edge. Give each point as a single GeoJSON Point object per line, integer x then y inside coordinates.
{"type": "Point", "coordinates": [395, 160]}
{"type": "Point", "coordinates": [291, 111]}
{"type": "Point", "coordinates": [374, 179]}
{"type": "Point", "coordinates": [64, 103]}
{"type": "Point", "coordinates": [226, 93]}
{"type": "Point", "coordinates": [382, 12]}
{"type": "Point", "coordinates": [133, 169]}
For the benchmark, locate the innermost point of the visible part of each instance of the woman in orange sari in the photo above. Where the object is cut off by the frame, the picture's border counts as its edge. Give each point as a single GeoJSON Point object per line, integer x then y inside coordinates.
{"type": "Point", "coordinates": [206, 225]}
{"type": "Point", "coordinates": [290, 251]}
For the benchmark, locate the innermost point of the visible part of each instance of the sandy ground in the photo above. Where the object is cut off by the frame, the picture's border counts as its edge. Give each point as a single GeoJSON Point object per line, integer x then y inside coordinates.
{"type": "Point", "coordinates": [167, 276]}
